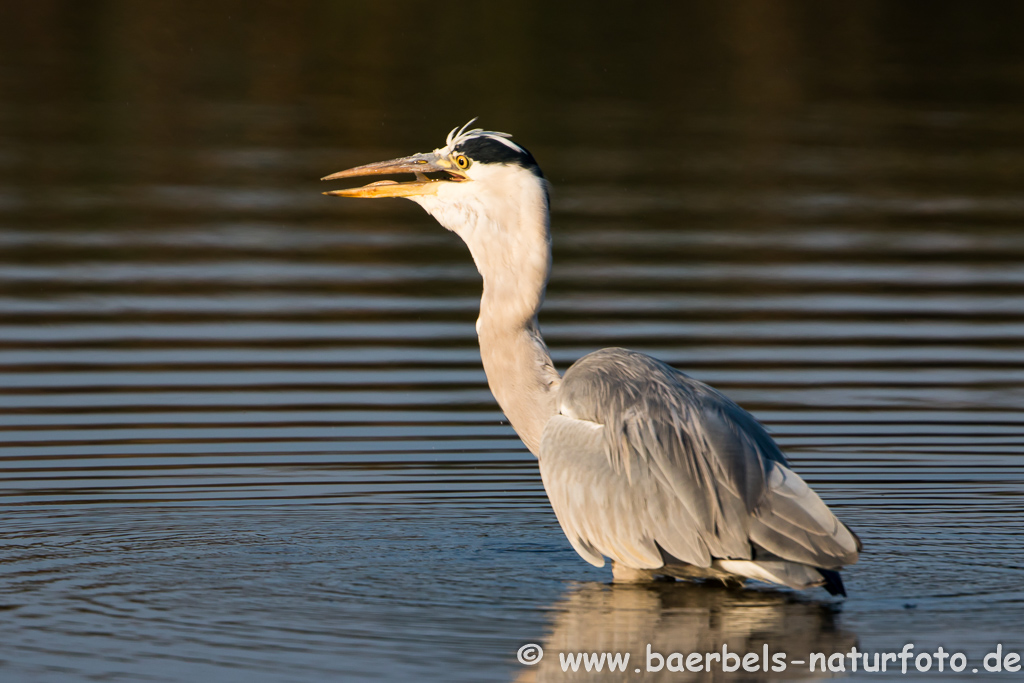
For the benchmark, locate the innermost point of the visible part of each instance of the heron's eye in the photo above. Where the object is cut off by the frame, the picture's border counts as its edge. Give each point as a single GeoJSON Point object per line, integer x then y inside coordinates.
{"type": "Point", "coordinates": [462, 162]}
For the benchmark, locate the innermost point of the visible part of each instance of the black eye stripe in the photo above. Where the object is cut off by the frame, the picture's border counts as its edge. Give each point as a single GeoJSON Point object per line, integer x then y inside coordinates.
{"type": "Point", "coordinates": [485, 150]}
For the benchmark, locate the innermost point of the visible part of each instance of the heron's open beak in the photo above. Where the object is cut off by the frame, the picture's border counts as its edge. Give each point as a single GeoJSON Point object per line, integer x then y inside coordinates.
{"type": "Point", "coordinates": [417, 164]}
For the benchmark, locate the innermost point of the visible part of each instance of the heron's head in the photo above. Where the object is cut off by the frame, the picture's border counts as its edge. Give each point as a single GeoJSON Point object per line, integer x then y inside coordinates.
{"type": "Point", "coordinates": [479, 176]}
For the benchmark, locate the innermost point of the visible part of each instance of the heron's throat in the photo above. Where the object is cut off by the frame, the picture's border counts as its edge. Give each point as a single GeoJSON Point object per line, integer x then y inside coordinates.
{"type": "Point", "coordinates": [520, 374]}
{"type": "Point", "coordinates": [519, 369]}
{"type": "Point", "coordinates": [506, 229]}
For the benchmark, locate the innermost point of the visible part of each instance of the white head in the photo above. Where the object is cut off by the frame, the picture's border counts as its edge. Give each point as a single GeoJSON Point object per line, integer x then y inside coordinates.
{"type": "Point", "coordinates": [485, 188]}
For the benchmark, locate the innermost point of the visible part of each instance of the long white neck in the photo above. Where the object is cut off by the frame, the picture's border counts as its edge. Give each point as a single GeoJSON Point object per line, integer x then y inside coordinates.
{"type": "Point", "coordinates": [505, 225]}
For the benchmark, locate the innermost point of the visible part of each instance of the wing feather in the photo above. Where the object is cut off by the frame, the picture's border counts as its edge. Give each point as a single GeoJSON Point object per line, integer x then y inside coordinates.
{"type": "Point", "coordinates": [795, 524]}
{"type": "Point", "coordinates": [644, 464]}
{"type": "Point", "coordinates": [604, 513]}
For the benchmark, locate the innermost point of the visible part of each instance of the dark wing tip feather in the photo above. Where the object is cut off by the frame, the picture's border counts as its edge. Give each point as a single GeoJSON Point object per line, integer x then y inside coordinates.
{"type": "Point", "coordinates": [833, 581]}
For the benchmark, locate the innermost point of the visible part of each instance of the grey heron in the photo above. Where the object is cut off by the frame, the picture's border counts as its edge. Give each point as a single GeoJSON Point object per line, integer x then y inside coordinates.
{"type": "Point", "coordinates": [656, 471]}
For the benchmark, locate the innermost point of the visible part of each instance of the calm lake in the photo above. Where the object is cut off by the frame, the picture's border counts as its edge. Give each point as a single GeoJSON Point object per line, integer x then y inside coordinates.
{"type": "Point", "coordinates": [244, 430]}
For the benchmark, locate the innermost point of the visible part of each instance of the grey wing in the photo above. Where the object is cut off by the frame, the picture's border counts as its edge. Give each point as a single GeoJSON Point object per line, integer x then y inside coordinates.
{"type": "Point", "coordinates": [643, 462]}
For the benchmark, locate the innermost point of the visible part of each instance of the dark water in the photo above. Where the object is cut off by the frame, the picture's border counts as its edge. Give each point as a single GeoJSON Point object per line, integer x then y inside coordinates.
{"type": "Point", "coordinates": [244, 431]}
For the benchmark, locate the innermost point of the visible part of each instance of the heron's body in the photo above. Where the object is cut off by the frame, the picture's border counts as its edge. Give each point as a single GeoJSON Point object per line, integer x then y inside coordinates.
{"type": "Point", "coordinates": [644, 465]}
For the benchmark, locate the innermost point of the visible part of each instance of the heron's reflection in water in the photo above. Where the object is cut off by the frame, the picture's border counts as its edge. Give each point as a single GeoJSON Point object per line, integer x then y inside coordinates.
{"type": "Point", "coordinates": [688, 618]}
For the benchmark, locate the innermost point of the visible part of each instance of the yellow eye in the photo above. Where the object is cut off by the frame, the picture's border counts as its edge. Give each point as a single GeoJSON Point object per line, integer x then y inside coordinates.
{"type": "Point", "coordinates": [462, 162]}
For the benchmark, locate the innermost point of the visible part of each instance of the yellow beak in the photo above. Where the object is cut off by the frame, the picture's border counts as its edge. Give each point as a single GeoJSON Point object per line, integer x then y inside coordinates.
{"type": "Point", "coordinates": [417, 164]}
